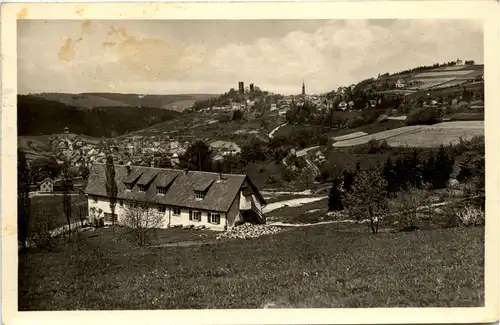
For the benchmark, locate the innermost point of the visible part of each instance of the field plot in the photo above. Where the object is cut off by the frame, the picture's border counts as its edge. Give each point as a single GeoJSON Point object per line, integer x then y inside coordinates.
{"type": "Point", "coordinates": [378, 136]}
{"type": "Point", "coordinates": [439, 134]}
{"type": "Point", "coordinates": [423, 136]}
{"type": "Point", "coordinates": [350, 136]}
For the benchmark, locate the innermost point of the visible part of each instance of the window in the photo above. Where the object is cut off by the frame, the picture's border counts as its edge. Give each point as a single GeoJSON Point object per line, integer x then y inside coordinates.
{"type": "Point", "coordinates": [162, 208]}
{"type": "Point", "coordinates": [121, 203]}
{"type": "Point", "coordinates": [108, 217]}
{"type": "Point", "coordinates": [142, 188]}
{"type": "Point", "coordinates": [95, 199]}
{"type": "Point", "coordinates": [199, 195]}
{"type": "Point", "coordinates": [195, 216]}
{"type": "Point", "coordinates": [214, 218]}
{"type": "Point", "coordinates": [176, 211]}
{"type": "Point", "coordinates": [161, 190]}
{"type": "Point", "coordinates": [128, 186]}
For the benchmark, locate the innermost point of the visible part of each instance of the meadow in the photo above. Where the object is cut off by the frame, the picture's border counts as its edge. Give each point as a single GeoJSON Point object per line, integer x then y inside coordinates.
{"type": "Point", "coordinates": [320, 266]}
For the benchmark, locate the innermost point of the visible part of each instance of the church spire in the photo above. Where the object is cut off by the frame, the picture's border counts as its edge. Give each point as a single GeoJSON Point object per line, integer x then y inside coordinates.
{"type": "Point", "coordinates": [303, 88]}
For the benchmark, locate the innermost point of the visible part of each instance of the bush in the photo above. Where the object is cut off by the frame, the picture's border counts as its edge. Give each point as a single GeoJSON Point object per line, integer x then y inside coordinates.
{"type": "Point", "coordinates": [471, 216]}
{"type": "Point", "coordinates": [383, 118]}
{"type": "Point", "coordinates": [407, 203]}
{"type": "Point", "coordinates": [40, 230]}
{"type": "Point", "coordinates": [355, 122]}
{"type": "Point", "coordinates": [424, 116]}
{"type": "Point", "coordinates": [237, 115]}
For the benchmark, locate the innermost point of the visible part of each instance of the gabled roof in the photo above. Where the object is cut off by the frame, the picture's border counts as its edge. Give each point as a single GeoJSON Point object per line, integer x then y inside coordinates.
{"type": "Point", "coordinates": [132, 177]}
{"type": "Point", "coordinates": [147, 176]}
{"type": "Point", "coordinates": [220, 191]}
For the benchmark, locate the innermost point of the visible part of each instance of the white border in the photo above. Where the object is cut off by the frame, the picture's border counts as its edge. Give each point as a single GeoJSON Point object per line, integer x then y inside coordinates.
{"type": "Point", "coordinates": [488, 11]}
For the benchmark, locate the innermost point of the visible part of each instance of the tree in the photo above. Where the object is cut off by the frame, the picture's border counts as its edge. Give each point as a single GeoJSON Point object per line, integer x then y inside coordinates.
{"type": "Point", "coordinates": [408, 202]}
{"type": "Point", "coordinates": [67, 184]}
{"type": "Point", "coordinates": [443, 168]}
{"type": "Point", "coordinates": [368, 197]}
{"type": "Point", "coordinates": [23, 200]}
{"type": "Point", "coordinates": [306, 176]}
{"type": "Point", "coordinates": [42, 168]}
{"type": "Point", "coordinates": [336, 196]}
{"type": "Point", "coordinates": [164, 162]}
{"type": "Point", "coordinates": [111, 187]}
{"type": "Point", "coordinates": [198, 156]}
{"type": "Point", "coordinates": [389, 174]}
{"type": "Point", "coordinates": [237, 115]}
{"type": "Point", "coordinates": [141, 218]}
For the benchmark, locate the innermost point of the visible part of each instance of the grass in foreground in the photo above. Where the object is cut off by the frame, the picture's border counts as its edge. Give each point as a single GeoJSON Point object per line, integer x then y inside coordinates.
{"type": "Point", "coordinates": [319, 266]}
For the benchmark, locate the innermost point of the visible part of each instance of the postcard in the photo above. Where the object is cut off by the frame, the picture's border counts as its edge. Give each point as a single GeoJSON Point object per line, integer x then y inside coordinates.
{"type": "Point", "coordinates": [250, 163]}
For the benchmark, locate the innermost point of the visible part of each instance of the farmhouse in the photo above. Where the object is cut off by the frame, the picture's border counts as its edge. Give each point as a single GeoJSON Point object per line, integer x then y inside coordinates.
{"type": "Point", "coordinates": [216, 201]}
{"type": "Point", "coordinates": [47, 185]}
{"type": "Point", "coordinates": [400, 83]}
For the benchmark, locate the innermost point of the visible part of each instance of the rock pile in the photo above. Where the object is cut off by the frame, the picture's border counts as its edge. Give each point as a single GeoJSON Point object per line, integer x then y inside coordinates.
{"type": "Point", "coordinates": [249, 230]}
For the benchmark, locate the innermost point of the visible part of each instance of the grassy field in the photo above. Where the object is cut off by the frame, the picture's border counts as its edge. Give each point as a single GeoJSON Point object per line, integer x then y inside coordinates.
{"type": "Point", "coordinates": [439, 134]}
{"type": "Point", "coordinates": [321, 266]}
{"type": "Point", "coordinates": [54, 206]}
{"type": "Point", "coordinates": [370, 128]}
{"type": "Point", "coordinates": [422, 136]}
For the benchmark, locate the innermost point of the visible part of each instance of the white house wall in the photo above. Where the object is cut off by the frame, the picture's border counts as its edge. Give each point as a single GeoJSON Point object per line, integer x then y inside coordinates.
{"type": "Point", "coordinates": [169, 218]}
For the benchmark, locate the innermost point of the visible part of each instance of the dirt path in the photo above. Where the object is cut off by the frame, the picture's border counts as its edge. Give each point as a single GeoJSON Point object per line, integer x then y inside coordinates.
{"type": "Point", "coordinates": [291, 203]}
{"type": "Point", "coordinates": [282, 224]}
{"type": "Point", "coordinates": [271, 134]}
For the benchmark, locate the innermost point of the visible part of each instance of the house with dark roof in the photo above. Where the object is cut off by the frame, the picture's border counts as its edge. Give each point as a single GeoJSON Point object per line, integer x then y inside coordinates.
{"type": "Point", "coordinates": [216, 201]}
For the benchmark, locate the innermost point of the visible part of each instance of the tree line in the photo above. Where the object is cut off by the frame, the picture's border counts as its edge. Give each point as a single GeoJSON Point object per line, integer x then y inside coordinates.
{"type": "Point", "coordinates": [38, 116]}
{"type": "Point", "coordinates": [366, 193]}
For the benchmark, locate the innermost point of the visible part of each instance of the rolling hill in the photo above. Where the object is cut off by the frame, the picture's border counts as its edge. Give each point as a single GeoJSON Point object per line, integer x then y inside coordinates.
{"type": "Point", "coordinates": [432, 78]}
{"type": "Point", "coordinates": [92, 100]}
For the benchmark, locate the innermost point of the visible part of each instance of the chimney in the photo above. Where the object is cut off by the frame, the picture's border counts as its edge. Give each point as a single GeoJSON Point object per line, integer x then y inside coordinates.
{"type": "Point", "coordinates": [129, 167]}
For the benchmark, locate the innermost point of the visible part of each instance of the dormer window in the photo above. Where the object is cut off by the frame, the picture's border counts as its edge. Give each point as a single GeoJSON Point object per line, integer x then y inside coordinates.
{"type": "Point", "coordinates": [161, 190]}
{"type": "Point", "coordinates": [199, 195]}
{"type": "Point", "coordinates": [142, 188]}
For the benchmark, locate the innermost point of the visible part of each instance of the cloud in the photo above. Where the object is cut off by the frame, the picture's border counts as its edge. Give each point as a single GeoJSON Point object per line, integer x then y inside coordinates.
{"type": "Point", "coordinates": [151, 58]}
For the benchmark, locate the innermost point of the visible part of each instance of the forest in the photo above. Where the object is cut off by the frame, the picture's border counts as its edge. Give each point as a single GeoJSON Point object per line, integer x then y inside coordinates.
{"type": "Point", "coordinates": [38, 116]}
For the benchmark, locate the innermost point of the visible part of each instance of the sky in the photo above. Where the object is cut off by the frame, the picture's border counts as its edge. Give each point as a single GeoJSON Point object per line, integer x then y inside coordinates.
{"type": "Point", "coordinates": [211, 56]}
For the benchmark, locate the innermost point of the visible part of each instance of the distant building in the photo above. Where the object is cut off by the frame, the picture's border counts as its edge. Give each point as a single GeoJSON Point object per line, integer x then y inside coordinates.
{"type": "Point", "coordinates": [251, 88]}
{"type": "Point", "coordinates": [303, 88]}
{"type": "Point", "coordinates": [47, 185]}
{"type": "Point", "coordinates": [342, 106]}
{"type": "Point", "coordinates": [400, 83]}
{"type": "Point", "coordinates": [241, 87]}
{"type": "Point", "coordinates": [460, 62]}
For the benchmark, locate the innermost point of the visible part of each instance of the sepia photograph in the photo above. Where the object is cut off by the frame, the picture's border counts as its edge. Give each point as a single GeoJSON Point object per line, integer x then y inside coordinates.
{"type": "Point", "coordinates": [199, 164]}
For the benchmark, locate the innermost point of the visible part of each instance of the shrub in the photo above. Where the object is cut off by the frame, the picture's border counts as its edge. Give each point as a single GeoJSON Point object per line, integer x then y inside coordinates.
{"type": "Point", "coordinates": [424, 116]}
{"type": "Point", "coordinates": [408, 202]}
{"type": "Point", "coordinates": [383, 118]}
{"type": "Point", "coordinates": [471, 216]}
{"type": "Point", "coordinates": [40, 229]}
{"type": "Point", "coordinates": [355, 122]}
{"type": "Point", "coordinates": [237, 115]}
{"type": "Point", "coordinates": [336, 196]}
{"type": "Point", "coordinates": [271, 180]}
